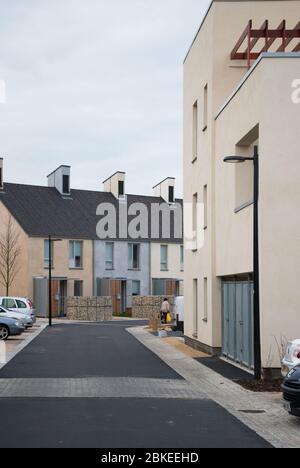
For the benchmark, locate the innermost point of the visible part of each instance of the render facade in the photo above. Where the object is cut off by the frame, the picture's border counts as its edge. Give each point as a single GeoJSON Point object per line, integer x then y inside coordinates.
{"type": "Point", "coordinates": [230, 108]}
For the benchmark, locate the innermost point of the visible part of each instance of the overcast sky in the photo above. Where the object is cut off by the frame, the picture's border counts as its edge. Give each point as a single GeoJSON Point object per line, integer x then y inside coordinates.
{"type": "Point", "coordinates": [96, 84]}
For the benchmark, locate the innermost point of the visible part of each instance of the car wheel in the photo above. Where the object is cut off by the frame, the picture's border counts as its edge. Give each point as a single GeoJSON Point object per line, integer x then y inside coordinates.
{"type": "Point", "coordinates": [4, 332]}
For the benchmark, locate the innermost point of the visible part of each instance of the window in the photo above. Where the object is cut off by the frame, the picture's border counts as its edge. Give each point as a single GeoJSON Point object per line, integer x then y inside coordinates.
{"type": "Point", "coordinates": [205, 296]}
{"type": "Point", "coordinates": [181, 258]}
{"type": "Point", "coordinates": [158, 287]}
{"type": "Point", "coordinates": [46, 254]}
{"type": "Point", "coordinates": [136, 288]}
{"type": "Point", "coordinates": [164, 258]}
{"type": "Point", "coordinates": [66, 184]}
{"type": "Point", "coordinates": [171, 194]}
{"type": "Point", "coordinates": [109, 256]}
{"type": "Point", "coordinates": [205, 108]}
{"type": "Point", "coordinates": [75, 254]}
{"type": "Point", "coordinates": [78, 288]}
{"type": "Point", "coordinates": [195, 220]}
{"type": "Point", "coordinates": [205, 206]}
{"type": "Point", "coordinates": [21, 304]}
{"type": "Point", "coordinates": [121, 188]}
{"type": "Point", "coordinates": [9, 303]}
{"type": "Point", "coordinates": [244, 178]}
{"type": "Point", "coordinates": [133, 256]}
{"type": "Point", "coordinates": [195, 131]}
{"type": "Point", "coordinates": [195, 308]}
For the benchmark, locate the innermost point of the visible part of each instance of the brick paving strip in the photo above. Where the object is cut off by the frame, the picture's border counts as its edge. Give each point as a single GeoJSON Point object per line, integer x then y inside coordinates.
{"type": "Point", "coordinates": [102, 387]}
{"type": "Point", "coordinates": [265, 417]}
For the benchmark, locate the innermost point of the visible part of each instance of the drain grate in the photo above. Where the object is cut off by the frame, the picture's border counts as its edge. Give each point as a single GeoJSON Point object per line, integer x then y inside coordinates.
{"type": "Point", "coordinates": [252, 411]}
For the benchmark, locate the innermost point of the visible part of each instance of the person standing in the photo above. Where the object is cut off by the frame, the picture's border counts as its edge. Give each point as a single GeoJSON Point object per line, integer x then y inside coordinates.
{"type": "Point", "coordinates": [165, 309]}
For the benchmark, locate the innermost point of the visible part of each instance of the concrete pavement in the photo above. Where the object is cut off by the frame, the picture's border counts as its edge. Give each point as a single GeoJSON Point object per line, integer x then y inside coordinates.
{"type": "Point", "coordinates": [263, 414]}
{"type": "Point", "coordinates": [96, 385]}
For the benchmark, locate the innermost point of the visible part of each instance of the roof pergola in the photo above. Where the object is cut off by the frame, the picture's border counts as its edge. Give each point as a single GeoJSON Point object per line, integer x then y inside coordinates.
{"type": "Point", "coordinates": [253, 36]}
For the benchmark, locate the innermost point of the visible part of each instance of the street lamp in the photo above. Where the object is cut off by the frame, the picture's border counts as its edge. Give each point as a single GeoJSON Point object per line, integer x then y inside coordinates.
{"type": "Point", "coordinates": [256, 297]}
{"type": "Point", "coordinates": [50, 241]}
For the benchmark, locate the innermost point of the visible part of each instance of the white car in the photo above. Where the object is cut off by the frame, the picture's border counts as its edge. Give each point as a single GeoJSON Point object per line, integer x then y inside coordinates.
{"type": "Point", "coordinates": [25, 320]}
{"type": "Point", "coordinates": [179, 312]}
{"type": "Point", "coordinates": [19, 304]}
{"type": "Point", "coordinates": [291, 358]}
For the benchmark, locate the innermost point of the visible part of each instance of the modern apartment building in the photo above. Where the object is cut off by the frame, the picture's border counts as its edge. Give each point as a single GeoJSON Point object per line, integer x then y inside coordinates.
{"type": "Point", "coordinates": [84, 262]}
{"type": "Point", "coordinates": [240, 95]}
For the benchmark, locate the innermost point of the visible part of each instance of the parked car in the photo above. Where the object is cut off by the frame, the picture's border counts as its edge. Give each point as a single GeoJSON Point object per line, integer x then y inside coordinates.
{"type": "Point", "coordinates": [26, 320]}
{"type": "Point", "coordinates": [179, 312]}
{"type": "Point", "coordinates": [291, 392]}
{"type": "Point", "coordinates": [10, 327]}
{"type": "Point", "coordinates": [291, 358]}
{"type": "Point", "coordinates": [19, 304]}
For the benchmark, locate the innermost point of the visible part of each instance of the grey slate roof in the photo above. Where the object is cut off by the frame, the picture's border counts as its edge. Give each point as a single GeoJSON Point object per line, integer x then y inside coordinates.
{"type": "Point", "coordinates": [43, 210]}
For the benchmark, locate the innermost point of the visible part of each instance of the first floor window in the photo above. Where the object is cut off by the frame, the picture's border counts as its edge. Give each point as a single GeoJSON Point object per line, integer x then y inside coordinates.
{"type": "Point", "coordinates": [158, 287]}
{"type": "Point", "coordinates": [75, 254]}
{"type": "Point", "coordinates": [133, 256]}
{"type": "Point", "coordinates": [195, 308]}
{"type": "Point", "coordinates": [46, 254]}
{"type": "Point", "coordinates": [163, 257]}
{"type": "Point", "coordinates": [181, 257]}
{"type": "Point", "coordinates": [109, 256]}
{"type": "Point", "coordinates": [78, 288]}
{"type": "Point", "coordinates": [136, 288]}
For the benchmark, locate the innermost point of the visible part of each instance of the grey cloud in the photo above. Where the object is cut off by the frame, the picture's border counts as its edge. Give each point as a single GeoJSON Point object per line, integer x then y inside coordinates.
{"type": "Point", "coordinates": [96, 84]}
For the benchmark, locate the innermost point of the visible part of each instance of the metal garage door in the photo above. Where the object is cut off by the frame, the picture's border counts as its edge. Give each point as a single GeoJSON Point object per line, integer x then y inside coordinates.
{"type": "Point", "coordinates": [238, 322]}
{"type": "Point", "coordinates": [40, 299]}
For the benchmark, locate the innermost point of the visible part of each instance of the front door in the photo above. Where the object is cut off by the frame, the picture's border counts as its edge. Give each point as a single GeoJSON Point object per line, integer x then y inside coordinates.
{"type": "Point", "coordinates": [55, 300]}
{"type": "Point", "coordinates": [62, 297]}
{"type": "Point", "coordinates": [116, 295]}
{"type": "Point", "coordinates": [172, 287]}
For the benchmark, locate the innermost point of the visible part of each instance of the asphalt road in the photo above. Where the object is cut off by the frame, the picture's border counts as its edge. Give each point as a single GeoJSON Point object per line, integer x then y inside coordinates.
{"type": "Point", "coordinates": [85, 352]}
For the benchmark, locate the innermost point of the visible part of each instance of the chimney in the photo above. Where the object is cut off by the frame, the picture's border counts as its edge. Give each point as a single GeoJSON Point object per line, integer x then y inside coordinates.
{"type": "Point", "coordinates": [1, 174]}
{"type": "Point", "coordinates": [60, 179]}
{"type": "Point", "coordinates": [166, 190]}
{"type": "Point", "coordinates": [116, 185]}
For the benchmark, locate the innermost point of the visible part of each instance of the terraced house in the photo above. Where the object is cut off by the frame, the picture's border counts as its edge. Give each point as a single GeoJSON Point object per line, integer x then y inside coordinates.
{"type": "Point", "coordinates": [83, 263]}
{"type": "Point", "coordinates": [240, 99]}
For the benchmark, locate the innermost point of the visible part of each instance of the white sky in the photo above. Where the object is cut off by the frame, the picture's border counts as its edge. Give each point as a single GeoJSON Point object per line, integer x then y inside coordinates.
{"type": "Point", "coordinates": [96, 84]}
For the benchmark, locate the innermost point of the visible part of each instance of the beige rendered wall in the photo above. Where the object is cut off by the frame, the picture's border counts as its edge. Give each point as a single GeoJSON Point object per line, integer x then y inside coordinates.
{"type": "Point", "coordinates": [174, 271]}
{"type": "Point", "coordinates": [280, 202]}
{"type": "Point", "coordinates": [267, 97]}
{"type": "Point", "coordinates": [198, 72]}
{"type": "Point", "coordinates": [208, 62]}
{"type": "Point", "coordinates": [61, 264]}
{"type": "Point", "coordinates": [19, 286]}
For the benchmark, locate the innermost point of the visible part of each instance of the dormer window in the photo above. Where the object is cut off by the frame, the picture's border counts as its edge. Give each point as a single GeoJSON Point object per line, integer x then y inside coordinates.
{"type": "Point", "coordinates": [60, 179]}
{"type": "Point", "coordinates": [115, 185]}
{"type": "Point", "coordinates": [171, 194]}
{"type": "Point", "coordinates": [121, 190]}
{"type": "Point", "coordinates": [66, 184]}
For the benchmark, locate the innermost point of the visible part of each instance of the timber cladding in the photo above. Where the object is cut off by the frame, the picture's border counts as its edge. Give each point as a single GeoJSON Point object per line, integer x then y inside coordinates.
{"type": "Point", "coordinates": [146, 307]}
{"type": "Point", "coordinates": [89, 309]}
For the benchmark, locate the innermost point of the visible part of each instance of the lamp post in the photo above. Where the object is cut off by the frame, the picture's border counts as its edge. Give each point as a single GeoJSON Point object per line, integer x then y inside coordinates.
{"type": "Point", "coordinates": [256, 297]}
{"type": "Point", "coordinates": [50, 241]}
